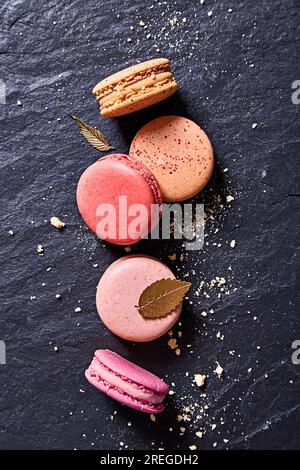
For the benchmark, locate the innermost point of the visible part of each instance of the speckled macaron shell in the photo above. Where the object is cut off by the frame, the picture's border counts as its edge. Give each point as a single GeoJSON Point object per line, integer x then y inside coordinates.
{"type": "Point", "coordinates": [135, 88]}
{"type": "Point", "coordinates": [118, 294]}
{"type": "Point", "coordinates": [179, 154]}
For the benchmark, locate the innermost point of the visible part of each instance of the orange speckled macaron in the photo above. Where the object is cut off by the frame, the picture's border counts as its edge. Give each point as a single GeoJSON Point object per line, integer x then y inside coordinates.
{"type": "Point", "coordinates": [135, 88]}
{"type": "Point", "coordinates": [178, 153]}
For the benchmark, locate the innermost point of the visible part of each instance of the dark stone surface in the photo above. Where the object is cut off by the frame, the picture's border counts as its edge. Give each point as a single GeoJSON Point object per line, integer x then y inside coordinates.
{"type": "Point", "coordinates": [51, 54]}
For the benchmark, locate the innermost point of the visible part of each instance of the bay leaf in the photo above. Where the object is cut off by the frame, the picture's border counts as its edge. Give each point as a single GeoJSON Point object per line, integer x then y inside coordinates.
{"type": "Point", "coordinates": [161, 297]}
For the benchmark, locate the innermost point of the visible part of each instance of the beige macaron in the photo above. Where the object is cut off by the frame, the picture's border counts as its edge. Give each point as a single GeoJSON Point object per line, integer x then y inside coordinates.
{"type": "Point", "coordinates": [178, 153]}
{"type": "Point", "coordinates": [135, 88]}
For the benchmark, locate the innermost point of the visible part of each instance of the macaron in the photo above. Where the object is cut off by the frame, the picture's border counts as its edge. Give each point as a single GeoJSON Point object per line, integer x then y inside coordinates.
{"type": "Point", "coordinates": [126, 382]}
{"type": "Point", "coordinates": [118, 294]}
{"type": "Point", "coordinates": [135, 88]}
{"type": "Point", "coordinates": [119, 199]}
{"type": "Point", "coordinates": [178, 153]}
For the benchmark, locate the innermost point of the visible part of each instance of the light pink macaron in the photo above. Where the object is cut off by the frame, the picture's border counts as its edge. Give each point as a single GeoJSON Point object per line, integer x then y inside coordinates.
{"type": "Point", "coordinates": [126, 382]}
{"type": "Point", "coordinates": [118, 294]}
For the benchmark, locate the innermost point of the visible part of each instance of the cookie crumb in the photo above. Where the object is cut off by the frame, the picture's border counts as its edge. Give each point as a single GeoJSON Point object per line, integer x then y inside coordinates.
{"type": "Point", "coordinates": [153, 417]}
{"type": "Point", "coordinates": [219, 371]}
{"type": "Point", "coordinates": [229, 198]}
{"type": "Point", "coordinates": [200, 379]}
{"type": "Point", "coordinates": [193, 447]}
{"type": "Point", "coordinates": [232, 243]}
{"type": "Point", "coordinates": [40, 249]}
{"type": "Point", "coordinates": [57, 223]}
{"type": "Point", "coordinates": [172, 343]}
{"type": "Point", "coordinates": [11, 233]}
{"type": "Point", "coordinates": [77, 310]}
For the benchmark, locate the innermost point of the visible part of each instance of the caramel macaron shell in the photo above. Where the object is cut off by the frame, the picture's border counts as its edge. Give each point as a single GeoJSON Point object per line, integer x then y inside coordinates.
{"type": "Point", "coordinates": [179, 154]}
{"type": "Point", "coordinates": [135, 88]}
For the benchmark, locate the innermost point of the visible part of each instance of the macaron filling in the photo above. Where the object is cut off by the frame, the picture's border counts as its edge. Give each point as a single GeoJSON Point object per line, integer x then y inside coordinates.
{"type": "Point", "coordinates": [101, 91]}
{"type": "Point", "coordinates": [123, 94]}
{"type": "Point", "coordinates": [135, 85]}
{"type": "Point", "coordinates": [138, 393]}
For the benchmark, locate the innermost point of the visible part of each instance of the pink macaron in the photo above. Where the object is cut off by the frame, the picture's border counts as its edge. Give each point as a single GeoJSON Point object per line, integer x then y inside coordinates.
{"type": "Point", "coordinates": [119, 199]}
{"type": "Point", "coordinates": [126, 382]}
{"type": "Point", "coordinates": [118, 294]}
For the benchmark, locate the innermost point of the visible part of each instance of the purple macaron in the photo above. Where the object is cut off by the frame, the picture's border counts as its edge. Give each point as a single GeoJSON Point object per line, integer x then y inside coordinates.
{"type": "Point", "coordinates": [126, 382]}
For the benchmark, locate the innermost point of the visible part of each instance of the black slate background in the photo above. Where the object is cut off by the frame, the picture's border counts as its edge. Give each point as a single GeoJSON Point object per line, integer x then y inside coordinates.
{"type": "Point", "coordinates": [51, 54]}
